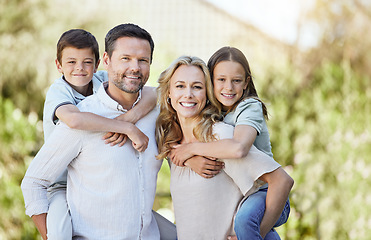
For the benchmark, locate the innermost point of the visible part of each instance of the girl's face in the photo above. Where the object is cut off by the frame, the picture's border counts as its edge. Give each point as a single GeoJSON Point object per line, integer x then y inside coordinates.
{"type": "Point", "coordinates": [188, 91]}
{"type": "Point", "coordinates": [229, 83]}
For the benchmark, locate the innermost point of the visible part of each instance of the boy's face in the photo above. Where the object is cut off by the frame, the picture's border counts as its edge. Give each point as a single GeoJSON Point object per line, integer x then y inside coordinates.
{"type": "Point", "coordinates": [77, 66]}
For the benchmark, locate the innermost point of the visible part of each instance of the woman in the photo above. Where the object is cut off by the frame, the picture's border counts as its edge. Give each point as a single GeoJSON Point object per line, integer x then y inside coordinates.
{"type": "Point", "coordinates": [189, 113]}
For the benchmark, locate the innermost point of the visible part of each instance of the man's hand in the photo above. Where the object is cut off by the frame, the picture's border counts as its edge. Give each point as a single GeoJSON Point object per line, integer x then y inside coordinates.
{"type": "Point", "coordinates": [138, 138]}
{"type": "Point", "coordinates": [204, 167]}
{"type": "Point", "coordinates": [115, 138]}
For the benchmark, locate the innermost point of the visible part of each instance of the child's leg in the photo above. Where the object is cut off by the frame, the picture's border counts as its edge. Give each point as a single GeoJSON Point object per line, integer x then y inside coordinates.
{"type": "Point", "coordinates": [272, 235]}
{"type": "Point", "coordinates": [249, 216]}
{"type": "Point", "coordinates": [284, 215]}
{"type": "Point", "coordinates": [58, 221]}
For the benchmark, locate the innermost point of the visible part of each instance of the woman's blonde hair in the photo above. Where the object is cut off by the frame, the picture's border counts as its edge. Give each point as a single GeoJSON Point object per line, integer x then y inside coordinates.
{"type": "Point", "coordinates": [168, 130]}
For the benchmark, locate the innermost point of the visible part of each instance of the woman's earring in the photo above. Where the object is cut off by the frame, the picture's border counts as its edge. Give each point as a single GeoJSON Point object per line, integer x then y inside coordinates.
{"type": "Point", "coordinates": [168, 100]}
{"type": "Point", "coordinates": [207, 102]}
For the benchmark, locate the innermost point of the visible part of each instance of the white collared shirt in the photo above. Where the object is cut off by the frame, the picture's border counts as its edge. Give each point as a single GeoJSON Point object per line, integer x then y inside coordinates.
{"type": "Point", "coordinates": [110, 190]}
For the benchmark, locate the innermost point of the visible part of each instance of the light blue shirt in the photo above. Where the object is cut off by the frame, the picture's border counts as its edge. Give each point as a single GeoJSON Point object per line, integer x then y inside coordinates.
{"type": "Point", "coordinates": [250, 112]}
{"type": "Point", "coordinates": [61, 93]}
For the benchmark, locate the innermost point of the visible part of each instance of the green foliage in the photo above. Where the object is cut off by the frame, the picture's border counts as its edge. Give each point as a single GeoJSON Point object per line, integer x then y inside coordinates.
{"type": "Point", "coordinates": [19, 24]}
{"type": "Point", "coordinates": [322, 132]}
{"type": "Point", "coordinates": [19, 135]}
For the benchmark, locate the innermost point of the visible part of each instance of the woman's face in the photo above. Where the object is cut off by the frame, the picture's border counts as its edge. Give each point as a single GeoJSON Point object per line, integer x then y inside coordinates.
{"type": "Point", "coordinates": [229, 83]}
{"type": "Point", "coordinates": [188, 91]}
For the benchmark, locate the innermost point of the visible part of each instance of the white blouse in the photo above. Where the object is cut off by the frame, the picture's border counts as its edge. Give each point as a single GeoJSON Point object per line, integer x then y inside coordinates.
{"type": "Point", "coordinates": [205, 208]}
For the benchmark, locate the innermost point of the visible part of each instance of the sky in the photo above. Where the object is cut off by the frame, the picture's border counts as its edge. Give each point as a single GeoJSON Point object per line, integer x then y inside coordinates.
{"type": "Point", "coordinates": [278, 18]}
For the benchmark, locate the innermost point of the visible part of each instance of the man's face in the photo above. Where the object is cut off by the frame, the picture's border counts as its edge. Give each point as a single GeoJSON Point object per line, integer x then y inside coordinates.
{"type": "Point", "coordinates": [129, 66]}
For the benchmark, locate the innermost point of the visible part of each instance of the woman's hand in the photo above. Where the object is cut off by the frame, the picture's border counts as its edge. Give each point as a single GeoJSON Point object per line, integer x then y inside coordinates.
{"type": "Point", "coordinates": [204, 167]}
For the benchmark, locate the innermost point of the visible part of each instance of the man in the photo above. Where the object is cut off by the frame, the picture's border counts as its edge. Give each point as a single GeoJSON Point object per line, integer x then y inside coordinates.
{"type": "Point", "coordinates": [110, 190]}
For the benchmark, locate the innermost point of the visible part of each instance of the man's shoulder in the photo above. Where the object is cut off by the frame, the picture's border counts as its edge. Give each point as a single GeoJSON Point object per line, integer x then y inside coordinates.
{"type": "Point", "coordinates": [150, 119]}
{"type": "Point", "coordinates": [154, 113]}
{"type": "Point", "coordinates": [88, 102]}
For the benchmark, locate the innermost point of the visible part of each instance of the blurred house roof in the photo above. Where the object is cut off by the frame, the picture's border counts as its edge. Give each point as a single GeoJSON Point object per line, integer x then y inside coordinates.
{"type": "Point", "coordinates": [195, 27]}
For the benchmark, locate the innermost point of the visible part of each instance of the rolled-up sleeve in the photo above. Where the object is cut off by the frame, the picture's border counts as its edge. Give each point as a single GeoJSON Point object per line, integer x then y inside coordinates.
{"type": "Point", "coordinates": [250, 112]}
{"type": "Point", "coordinates": [63, 145]}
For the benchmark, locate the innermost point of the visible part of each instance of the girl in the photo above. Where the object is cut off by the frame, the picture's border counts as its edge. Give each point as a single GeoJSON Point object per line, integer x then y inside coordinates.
{"type": "Point", "coordinates": [234, 89]}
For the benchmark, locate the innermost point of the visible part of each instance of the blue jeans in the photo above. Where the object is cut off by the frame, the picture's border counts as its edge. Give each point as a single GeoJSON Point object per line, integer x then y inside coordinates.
{"type": "Point", "coordinates": [250, 215]}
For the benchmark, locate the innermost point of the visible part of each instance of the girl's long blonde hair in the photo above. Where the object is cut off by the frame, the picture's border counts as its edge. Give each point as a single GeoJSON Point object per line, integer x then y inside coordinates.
{"type": "Point", "coordinates": [168, 130]}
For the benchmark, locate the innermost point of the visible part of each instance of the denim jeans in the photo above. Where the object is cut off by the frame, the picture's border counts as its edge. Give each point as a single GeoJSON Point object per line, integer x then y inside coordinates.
{"type": "Point", "coordinates": [250, 215]}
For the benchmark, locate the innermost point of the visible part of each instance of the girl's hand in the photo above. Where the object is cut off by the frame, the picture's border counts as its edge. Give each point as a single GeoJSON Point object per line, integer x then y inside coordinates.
{"type": "Point", "coordinates": [115, 138]}
{"type": "Point", "coordinates": [183, 152]}
{"type": "Point", "coordinates": [204, 167]}
{"type": "Point", "coordinates": [180, 153]}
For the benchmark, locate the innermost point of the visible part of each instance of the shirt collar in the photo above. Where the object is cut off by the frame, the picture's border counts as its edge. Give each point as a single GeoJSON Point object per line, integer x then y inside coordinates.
{"type": "Point", "coordinates": [96, 83]}
{"type": "Point", "coordinates": [109, 102]}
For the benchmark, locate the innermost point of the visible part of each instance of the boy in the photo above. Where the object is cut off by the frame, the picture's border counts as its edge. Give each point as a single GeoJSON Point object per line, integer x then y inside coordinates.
{"type": "Point", "coordinates": [77, 61]}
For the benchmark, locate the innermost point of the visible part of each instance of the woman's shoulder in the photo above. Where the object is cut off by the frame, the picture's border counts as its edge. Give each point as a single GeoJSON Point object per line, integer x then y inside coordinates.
{"type": "Point", "coordinates": [223, 130]}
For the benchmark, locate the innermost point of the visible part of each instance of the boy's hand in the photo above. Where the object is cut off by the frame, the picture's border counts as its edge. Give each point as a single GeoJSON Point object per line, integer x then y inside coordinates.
{"type": "Point", "coordinates": [138, 138]}
{"type": "Point", "coordinates": [115, 138]}
{"type": "Point", "coordinates": [204, 167]}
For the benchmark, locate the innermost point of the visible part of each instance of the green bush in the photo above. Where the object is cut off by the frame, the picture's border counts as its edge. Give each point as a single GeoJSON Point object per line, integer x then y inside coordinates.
{"type": "Point", "coordinates": [322, 131]}
{"type": "Point", "coordinates": [20, 139]}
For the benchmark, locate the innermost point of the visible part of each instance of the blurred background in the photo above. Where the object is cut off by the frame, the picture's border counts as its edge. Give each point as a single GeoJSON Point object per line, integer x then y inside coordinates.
{"type": "Point", "coordinates": [312, 65]}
